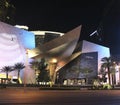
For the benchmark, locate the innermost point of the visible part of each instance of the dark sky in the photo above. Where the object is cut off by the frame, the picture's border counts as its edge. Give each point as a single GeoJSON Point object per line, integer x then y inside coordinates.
{"type": "Point", "coordinates": [64, 15]}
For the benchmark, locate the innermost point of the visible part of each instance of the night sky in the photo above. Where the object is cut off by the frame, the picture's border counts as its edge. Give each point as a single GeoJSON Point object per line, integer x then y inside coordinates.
{"type": "Point", "coordinates": [64, 15]}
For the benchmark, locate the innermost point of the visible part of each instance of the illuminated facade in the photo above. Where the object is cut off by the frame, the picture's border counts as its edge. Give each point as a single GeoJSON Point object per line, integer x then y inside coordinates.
{"type": "Point", "coordinates": [71, 54]}
{"type": "Point", "coordinates": [86, 65]}
{"type": "Point", "coordinates": [63, 52]}
{"type": "Point", "coordinates": [13, 45]}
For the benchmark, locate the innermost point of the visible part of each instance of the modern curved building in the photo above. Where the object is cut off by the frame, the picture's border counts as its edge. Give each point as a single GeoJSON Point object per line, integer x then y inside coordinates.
{"type": "Point", "coordinates": [71, 55]}
{"type": "Point", "coordinates": [64, 53]}
{"type": "Point", "coordinates": [13, 45]}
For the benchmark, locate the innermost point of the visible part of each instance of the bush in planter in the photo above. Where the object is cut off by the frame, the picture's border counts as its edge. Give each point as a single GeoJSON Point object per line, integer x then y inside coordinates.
{"type": "Point", "coordinates": [107, 86]}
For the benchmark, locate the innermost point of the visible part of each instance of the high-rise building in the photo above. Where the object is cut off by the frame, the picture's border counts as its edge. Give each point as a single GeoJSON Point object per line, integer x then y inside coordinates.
{"type": "Point", "coordinates": [7, 12]}
{"type": "Point", "coordinates": [42, 37]}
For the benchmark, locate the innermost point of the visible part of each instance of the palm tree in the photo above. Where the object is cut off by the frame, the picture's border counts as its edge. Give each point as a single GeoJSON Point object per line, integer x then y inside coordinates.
{"type": "Point", "coordinates": [113, 71]}
{"type": "Point", "coordinates": [7, 69]}
{"type": "Point", "coordinates": [18, 67]}
{"type": "Point", "coordinates": [43, 72]}
{"type": "Point", "coordinates": [107, 63]}
{"type": "Point", "coordinates": [103, 73]}
{"type": "Point", "coordinates": [34, 65]}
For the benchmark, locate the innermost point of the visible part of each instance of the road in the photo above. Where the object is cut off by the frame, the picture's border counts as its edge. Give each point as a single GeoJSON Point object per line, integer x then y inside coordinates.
{"type": "Point", "coordinates": [59, 97]}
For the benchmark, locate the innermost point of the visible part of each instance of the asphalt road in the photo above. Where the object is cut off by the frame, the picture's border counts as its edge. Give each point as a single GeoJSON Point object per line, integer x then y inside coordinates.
{"type": "Point", "coordinates": [59, 97]}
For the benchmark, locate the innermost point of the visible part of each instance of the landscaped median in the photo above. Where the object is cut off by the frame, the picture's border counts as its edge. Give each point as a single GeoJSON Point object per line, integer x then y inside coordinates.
{"type": "Point", "coordinates": [57, 87]}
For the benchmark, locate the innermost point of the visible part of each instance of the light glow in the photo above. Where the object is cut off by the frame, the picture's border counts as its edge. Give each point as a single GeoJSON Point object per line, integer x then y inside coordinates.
{"type": "Point", "coordinates": [43, 32]}
{"type": "Point", "coordinates": [54, 60]}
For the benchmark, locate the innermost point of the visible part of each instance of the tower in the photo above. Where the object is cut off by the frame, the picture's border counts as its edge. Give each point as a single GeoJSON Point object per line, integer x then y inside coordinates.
{"type": "Point", "coordinates": [7, 12]}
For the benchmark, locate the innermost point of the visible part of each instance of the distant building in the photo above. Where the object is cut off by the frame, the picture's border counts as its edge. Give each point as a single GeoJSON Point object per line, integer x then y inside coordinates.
{"type": "Point", "coordinates": [22, 27]}
{"type": "Point", "coordinates": [42, 37]}
{"type": "Point", "coordinates": [7, 12]}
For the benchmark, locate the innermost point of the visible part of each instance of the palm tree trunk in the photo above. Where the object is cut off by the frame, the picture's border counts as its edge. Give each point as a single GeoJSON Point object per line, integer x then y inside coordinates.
{"type": "Point", "coordinates": [109, 76]}
{"type": "Point", "coordinates": [119, 76]}
{"type": "Point", "coordinates": [7, 75]}
{"type": "Point", "coordinates": [18, 75]}
{"type": "Point", "coordinates": [35, 76]}
{"type": "Point", "coordinates": [86, 79]}
{"type": "Point", "coordinates": [112, 79]}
